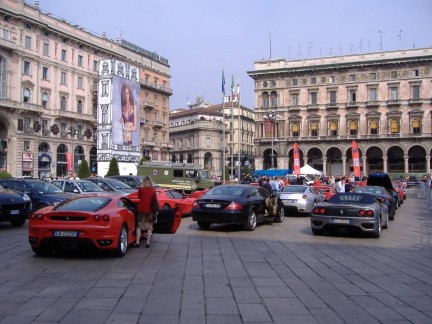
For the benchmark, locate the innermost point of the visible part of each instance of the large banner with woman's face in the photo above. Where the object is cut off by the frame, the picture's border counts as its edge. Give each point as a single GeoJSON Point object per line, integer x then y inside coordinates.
{"type": "Point", "coordinates": [126, 112]}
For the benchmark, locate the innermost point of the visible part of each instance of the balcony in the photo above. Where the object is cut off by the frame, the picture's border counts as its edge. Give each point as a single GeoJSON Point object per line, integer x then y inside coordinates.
{"type": "Point", "coordinates": [147, 142]}
{"type": "Point", "coordinates": [312, 107]}
{"type": "Point", "coordinates": [148, 104]}
{"type": "Point", "coordinates": [160, 88]}
{"type": "Point", "coordinates": [294, 108]}
{"type": "Point", "coordinates": [352, 105]}
{"type": "Point", "coordinates": [393, 103]}
{"type": "Point", "coordinates": [157, 124]}
{"type": "Point", "coordinates": [8, 44]}
{"type": "Point", "coordinates": [415, 102]}
{"type": "Point", "coordinates": [332, 105]}
{"type": "Point", "coordinates": [372, 104]}
{"type": "Point", "coordinates": [57, 113]}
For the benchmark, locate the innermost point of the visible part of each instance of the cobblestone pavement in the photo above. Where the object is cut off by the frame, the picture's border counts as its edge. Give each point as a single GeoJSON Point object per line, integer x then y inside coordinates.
{"type": "Point", "coordinates": [280, 273]}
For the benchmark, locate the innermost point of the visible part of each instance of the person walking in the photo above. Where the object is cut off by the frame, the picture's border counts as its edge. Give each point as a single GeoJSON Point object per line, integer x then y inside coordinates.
{"type": "Point", "coordinates": [145, 219]}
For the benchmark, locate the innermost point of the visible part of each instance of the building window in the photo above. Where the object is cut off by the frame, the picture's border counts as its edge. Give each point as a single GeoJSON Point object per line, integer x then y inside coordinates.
{"type": "Point", "coordinates": [63, 103]}
{"type": "Point", "coordinates": [45, 49]}
{"type": "Point", "coordinates": [352, 77]}
{"type": "Point", "coordinates": [44, 73]}
{"type": "Point", "coordinates": [353, 127]}
{"type": "Point", "coordinates": [393, 74]}
{"type": "Point", "coordinates": [164, 102]}
{"type": "Point", "coordinates": [394, 93]}
{"type": "Point", "coordinates": [313, 98]}
{"type": "Point", "coordinates": [372, 76]}
{"type": "Point", "coordinates": [415, 92]}
{"type": "Point", "coordinates": [63, 55]}
{"type": "Point", "coordinates": [332, 97]}
{"type": "Point", "coordinates": [352, 93]}
{"type": "Point", "coordinates": [63, 78]}
{"type": "Point", "coordinates": [416, 126]}
{"type": "Point", "coordinates": [333, 128]}
{"type": "Point", "coordinates": [314, 128]}
{"type": "Point", "coordinates": [44, 99]}
{"type": "Point", "coordinates": [104, 114]}
{"type": "Point", "coordinates": [79, 106]}
{"type": "Point", "coordinates": [26, 95]}
{"type": "Point", "coordinates": [27, 42]}
{"type": "Point", "coordinates": [415, 73]}
{"type": "Point", "coordinates": [294, 82]}
{"type": "Point", "coordinates": [26, 67]}
{"type": "Point", "coordinates": [155, 100]}
{"type": "Point", "coordinates": [373, 124]}
{"type": "Point", "coordinates": [313, 81]}
{"type": "Point", "coordinates": [373, 94]}
{"type": "Point", "coordinates": [95, 65]}
{"type": "Point", "coordinates": [332, 79]}
{"type": "Point", "coordinates": [265, 100]}
{"type": "Point", "coordinates": [295, 129]}
{"type": "Point", "coordinates": [80, 82]}
{"type": "Point", "coordinates": [273, 99]}
{"type": "Point", "coordinates": [208, 141]}
{"type": "Point", "coordinates": [394, 126]}
{"type": "Point", "coordinates": [80, 60]}
{"type": "Point", "coordinates": [155, 116]}
{"type": "Point", "coordinates": [294, 100]}
{"type": "Point", "coordinates": [6, 34]}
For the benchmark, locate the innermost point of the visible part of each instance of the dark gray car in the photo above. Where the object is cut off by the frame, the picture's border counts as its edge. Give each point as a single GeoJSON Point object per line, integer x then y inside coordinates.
{"type": "Point", "coordinates": [112, 185]}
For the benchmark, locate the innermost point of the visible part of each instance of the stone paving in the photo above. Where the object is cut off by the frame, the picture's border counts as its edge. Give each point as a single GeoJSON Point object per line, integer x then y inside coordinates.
{"type": "Point", "coordinates": [280, 273]}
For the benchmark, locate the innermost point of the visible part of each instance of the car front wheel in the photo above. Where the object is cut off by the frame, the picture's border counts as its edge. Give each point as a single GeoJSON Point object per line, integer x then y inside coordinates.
{"type": "Point", "coordinates": [251, 221]}
{"type": "Point", "coordinates": [122, 244]}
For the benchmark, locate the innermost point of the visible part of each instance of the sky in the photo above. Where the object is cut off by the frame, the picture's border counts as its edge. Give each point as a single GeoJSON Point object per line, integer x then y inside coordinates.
{"type": "Point", "coordinates": [202, 38]}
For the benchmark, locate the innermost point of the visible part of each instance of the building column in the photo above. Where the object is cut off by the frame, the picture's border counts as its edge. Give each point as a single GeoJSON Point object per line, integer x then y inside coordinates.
{"type": "Point", "coordinates": [364, 162]}
{"type": "Point", "coordinates": [385, 163]}
{"type": "Point", "coordinates": [406, 163]}
{"type": "Point", "coordinates": [344, 170]}
{"type": "Point", "coordinates": [305, 159]}
{"type": "Point", "coordinates": [324, 159]}
{"type": "Point", "coordinates": [428, 160]}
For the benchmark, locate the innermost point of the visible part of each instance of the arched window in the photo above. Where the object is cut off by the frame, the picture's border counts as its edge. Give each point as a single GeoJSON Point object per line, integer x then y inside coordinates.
{"type": "Point", "coordinates": [265, 100]}
{"type": "Point", "coordinates": [353, 127]}
{"type": "Point", "coordinates": [373, 125]}
{"type": "Point", "coordinates": [314, 128]}
{"type": "Point", "coordinates": [394, 126]}
{"type": "Point", "coordinates": [80, 106]}
{"type": "Point", "coordinates": [26, 95]}
{"type": "Point", "coordinates": [295, 129]}
{"type": "Point", "coordinates": [44, 99]}
{"type": "Point", "coordinates": [3, 74]}
{"type": "Point", "coordinates": [273, 99]}
{"type": "Point", "coordinates": [333, 128]}
{"type": "Point", "coordinates": [416, 126]}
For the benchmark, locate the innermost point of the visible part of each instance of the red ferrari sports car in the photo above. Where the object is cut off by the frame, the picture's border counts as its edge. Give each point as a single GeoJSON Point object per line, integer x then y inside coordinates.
{"type": "Point", "coordinates": [103, 222]}
{"type": "Point", "coordinates": [170, 198]}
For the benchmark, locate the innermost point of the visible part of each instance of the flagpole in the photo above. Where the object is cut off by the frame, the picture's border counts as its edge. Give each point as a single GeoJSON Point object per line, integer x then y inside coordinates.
{"type": "Point", "coordinates": [232, 128]}
{"type": "Point", "coordinates": [238, 128]}
{"type": "Point", "coordinates": [223, 128]}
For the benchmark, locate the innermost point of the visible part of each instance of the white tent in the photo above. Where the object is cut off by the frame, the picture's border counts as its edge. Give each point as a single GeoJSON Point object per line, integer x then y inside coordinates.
{"type": "Point", "coordinates": [307, 169]}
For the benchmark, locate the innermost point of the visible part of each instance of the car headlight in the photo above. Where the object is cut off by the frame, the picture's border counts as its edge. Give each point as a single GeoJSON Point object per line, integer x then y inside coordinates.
{"type": "Point", "coordinates": [26, 197]}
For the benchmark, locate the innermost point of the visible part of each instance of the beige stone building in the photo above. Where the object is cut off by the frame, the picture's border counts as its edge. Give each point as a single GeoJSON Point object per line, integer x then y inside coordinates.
{"type": "Point", "coordinates": [380, 100]}
{"type": "Point", "coordinates": [196, 135]}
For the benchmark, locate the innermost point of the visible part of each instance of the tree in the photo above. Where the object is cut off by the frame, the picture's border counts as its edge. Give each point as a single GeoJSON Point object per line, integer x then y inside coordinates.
{"type": "Point", "coordinates": [5, 175]}
{"type": "Point", "coordinates": [113, 169]}
{"type": "Point", "coordinates": [84, 170]}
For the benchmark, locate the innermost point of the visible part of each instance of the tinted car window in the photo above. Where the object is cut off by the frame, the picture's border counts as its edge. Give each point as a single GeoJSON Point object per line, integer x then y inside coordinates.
{"type": "Point", "coordinates": [88, 186]}
{"type": "Point", "coordinates": [294, 189]}
{"type": "Point", "coordinates": [351, 198]}
{"type": "Point", "coordinates": [44, 188]}
{"type": "Point", "coordinates": [90, 204]}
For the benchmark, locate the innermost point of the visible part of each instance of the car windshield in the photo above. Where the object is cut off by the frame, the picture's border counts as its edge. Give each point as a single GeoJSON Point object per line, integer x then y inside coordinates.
{"type": "Point", "coordinates": [344, 198]}
{"type": "Point", "coordinates": [204, 174]}
{"type": "Point", "coordinates": [86, 204]}
{"type": "Point", "coordinates": [87, 186]}
{"type": "Point", "coordinates": [117, 184]}
{"type": "Point", "coordinates": [294, 189]}
{"type": "Point", "coordinates": [45, 188]}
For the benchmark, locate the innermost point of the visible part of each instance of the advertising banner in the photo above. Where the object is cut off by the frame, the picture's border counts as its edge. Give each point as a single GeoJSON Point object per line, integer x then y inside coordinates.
{"type": "Point", "coordinates": [126, 112]}
{"type": "Point", "coordinates": [355, 158]}
{"type": "Point", "coordinates": [69, 161]}
{"type": "Point", "coordinates": [296, 159]}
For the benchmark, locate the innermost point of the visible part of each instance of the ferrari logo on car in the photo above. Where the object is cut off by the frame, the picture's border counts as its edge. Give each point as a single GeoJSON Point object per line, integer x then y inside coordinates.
{"type": "Point", "coordinates": [341, 212]}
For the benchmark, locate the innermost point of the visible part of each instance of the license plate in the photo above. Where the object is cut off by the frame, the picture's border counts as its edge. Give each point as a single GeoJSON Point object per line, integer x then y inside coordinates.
{"type": "Point", "coordinates": [65, 233]}
{"type": "Point", "coordinates": [213, 205]}
{"type": "Point", "coordinates": [289, 201]}
{"type": "Point", "coordinates": [14, 212]}
{"type": "Point", "coordinates": [341, 221]}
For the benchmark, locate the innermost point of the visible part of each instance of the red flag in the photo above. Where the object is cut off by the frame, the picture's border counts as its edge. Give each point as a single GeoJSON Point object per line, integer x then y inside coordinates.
{"type": "Point", "coordinates": [355, 158]}
{"type": "Point", "coordinates": [69, 161]}
{"type": "Point", "coordinates": [296, 159]}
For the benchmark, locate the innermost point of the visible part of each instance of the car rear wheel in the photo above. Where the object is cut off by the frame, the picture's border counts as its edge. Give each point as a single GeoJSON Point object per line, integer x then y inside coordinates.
{"type": "Point", "coordinates": [18, 222]}
{"type": "Point", "coordinates": [251, 221]}
{"type": "Point", "coordinates": [377, 232]}
{"type": "Point", "coordinates": [280, 217]}
{"type": "Point", "coordinates": [122, 243]}
{"type": "Point", "coordinates": [317, 231]}
{"type": "Point", "coordinates": [204, 225]}
{"type": "Point", "coordinates": [386, 223]}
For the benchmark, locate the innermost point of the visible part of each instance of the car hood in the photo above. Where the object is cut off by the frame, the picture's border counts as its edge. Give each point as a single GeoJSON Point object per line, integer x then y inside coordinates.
{"type": "Point", "coordinates": [8, 195]}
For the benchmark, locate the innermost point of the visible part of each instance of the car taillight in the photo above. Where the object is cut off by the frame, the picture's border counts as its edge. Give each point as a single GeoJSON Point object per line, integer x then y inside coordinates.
{"type": "Point", "coordinates": [195, 204]}
{"type": "Point", "coordinates": [233, 206]}
{"type": "Point", "coordinates": [366, 213]}
{"type": "Point", "coordinates": [36, 216]}
{"type": "Point", "coordinates": [318, 210]}
{"type": "Point", "coordinates": [106, 218]}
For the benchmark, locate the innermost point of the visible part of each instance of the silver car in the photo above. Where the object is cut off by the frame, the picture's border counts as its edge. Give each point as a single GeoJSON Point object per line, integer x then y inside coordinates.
{"type": "Point", "coordinates": [363, 211]}
{"type": "Point", "coordinates": [112, 185]}
{"type": "Point", "coordinates": [300, 199]}
{"type": "Point", "coordinates": [77, 186]}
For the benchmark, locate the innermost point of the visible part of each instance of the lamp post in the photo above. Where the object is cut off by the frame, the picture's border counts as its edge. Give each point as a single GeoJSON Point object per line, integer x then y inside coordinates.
{"type": "Point", "coordinates": [271, 116]}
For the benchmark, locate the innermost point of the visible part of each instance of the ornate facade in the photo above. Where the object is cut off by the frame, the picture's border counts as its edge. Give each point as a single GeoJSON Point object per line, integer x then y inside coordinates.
{"type": "Point", "coordinates": [49, 87]}
{"type": "Point", "coordinates": [380, 100]}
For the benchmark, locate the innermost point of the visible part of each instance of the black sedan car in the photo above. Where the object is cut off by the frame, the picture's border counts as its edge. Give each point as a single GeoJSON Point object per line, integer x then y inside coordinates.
{"type": "Point", "coordinates": [15, 206]}
{"type": "Point", "coordinates": [243, 205]}
{"type": "Point", "coordinates": [382, 193]}
{"type": "Point", "coordinates": [41, 193]}
{"type": "Point", "coordinates": [354, 210]}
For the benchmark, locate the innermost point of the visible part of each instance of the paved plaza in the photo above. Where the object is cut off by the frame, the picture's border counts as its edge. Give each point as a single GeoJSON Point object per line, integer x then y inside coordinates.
{"type": "Point", "coordinates": [280, 273]}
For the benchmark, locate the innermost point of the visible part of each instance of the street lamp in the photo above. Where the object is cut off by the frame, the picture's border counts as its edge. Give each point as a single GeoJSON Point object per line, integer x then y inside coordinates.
{"type": "Point", "coordinates": [271, 116]}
